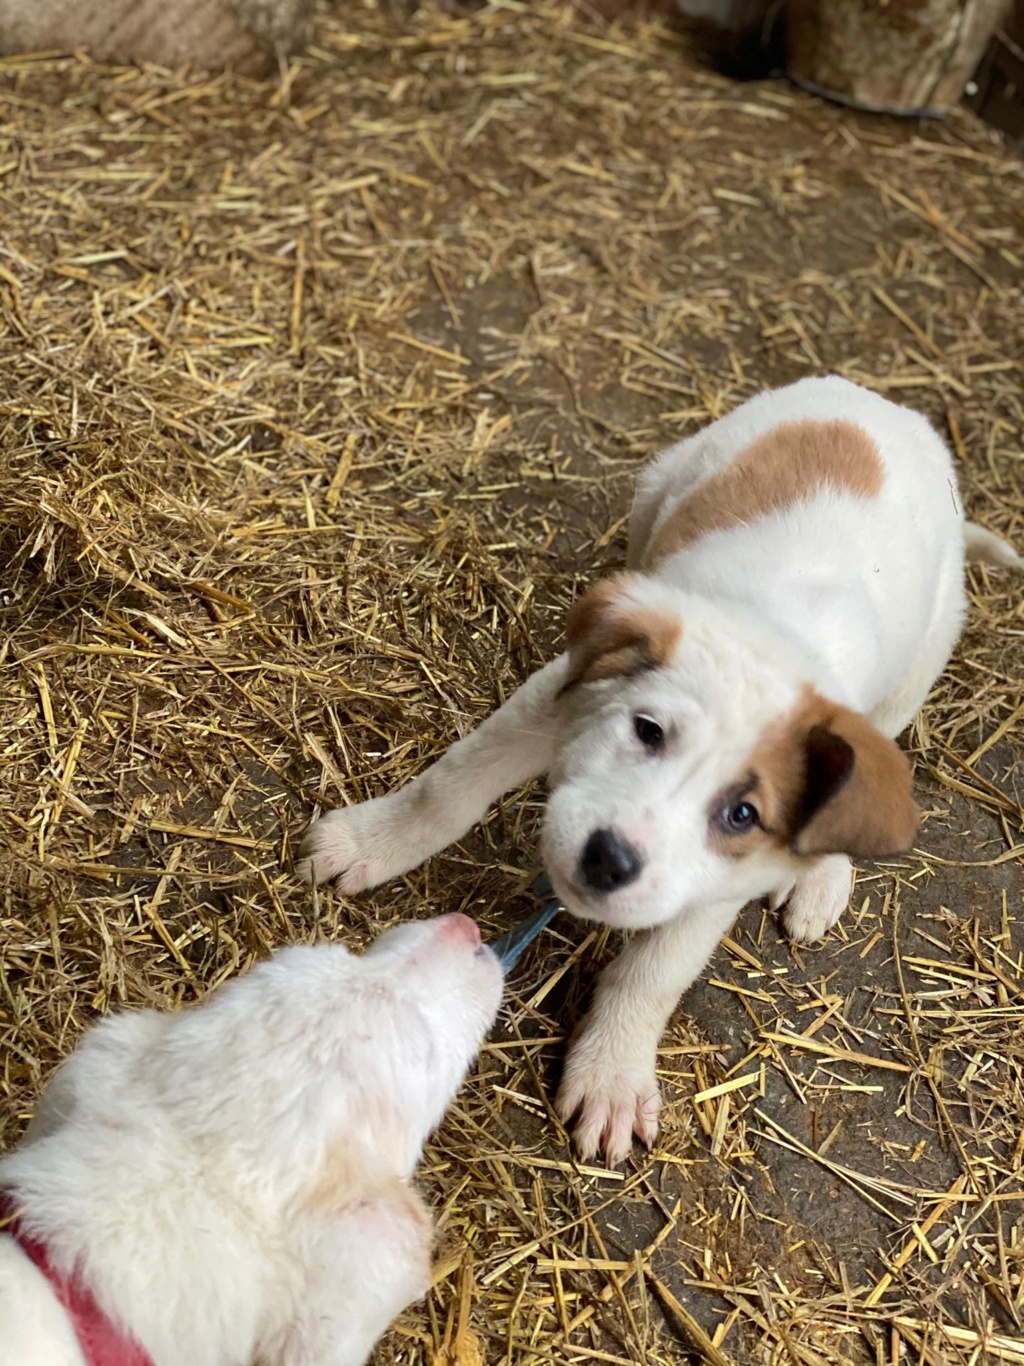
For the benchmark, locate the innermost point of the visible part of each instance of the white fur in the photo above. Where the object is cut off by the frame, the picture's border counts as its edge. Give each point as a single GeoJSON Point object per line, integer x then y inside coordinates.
{"type": "Point", "coordinates": [232, 1181]}
{"type": "Point", "coordinates": [860, 597]}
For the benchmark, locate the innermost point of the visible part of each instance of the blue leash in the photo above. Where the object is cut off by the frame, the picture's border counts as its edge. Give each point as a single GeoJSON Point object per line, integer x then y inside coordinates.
{"type": "Point", "coordinates": [510, 946]}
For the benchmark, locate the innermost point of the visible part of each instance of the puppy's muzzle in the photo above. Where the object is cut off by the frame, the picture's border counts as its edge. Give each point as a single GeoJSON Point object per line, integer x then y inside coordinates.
{"type": "Point", "coordinates": [609, 862]}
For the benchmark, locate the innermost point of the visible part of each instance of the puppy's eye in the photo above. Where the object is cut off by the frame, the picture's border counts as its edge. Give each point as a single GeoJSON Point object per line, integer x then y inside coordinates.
{"type": "Point", "coordinates": [738, 817]}
{"type": "Point", "coordinates": [648, 732]}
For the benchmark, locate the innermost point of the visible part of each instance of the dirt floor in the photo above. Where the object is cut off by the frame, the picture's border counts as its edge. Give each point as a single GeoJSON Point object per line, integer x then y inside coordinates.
{"type": "Point", "coordinates": [321, 400]}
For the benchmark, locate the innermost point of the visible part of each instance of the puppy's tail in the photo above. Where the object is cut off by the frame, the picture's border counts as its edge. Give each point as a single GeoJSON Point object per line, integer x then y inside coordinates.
{"type": "Point", "coordinates": [985, 547]}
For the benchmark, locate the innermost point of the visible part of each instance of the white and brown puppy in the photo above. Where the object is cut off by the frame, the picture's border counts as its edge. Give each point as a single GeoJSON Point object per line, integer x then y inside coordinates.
{"type": "Point", "coordinates": [721, 725]}
{"type": "Point", "coordinates": [231, 1184]}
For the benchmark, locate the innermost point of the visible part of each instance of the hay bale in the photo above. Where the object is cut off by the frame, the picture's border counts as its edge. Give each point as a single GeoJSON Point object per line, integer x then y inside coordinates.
{"type": "Point", "coordinates": [246, 35]}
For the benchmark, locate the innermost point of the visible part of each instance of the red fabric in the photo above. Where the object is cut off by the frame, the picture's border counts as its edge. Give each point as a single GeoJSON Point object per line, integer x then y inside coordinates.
{"type": "Point", "coordinates": [101, 1342]}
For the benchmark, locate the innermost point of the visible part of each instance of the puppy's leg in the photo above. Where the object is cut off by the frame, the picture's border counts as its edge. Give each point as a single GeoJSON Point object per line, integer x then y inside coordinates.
{"type": "Point", "coordinates": [815, 899]}
{"type": "Point", "coordinates": [380, 839]}
{"type": "Point", "coordinates": [362, 1268]}
{"type": "Point", "coordinates": [609, 1081]}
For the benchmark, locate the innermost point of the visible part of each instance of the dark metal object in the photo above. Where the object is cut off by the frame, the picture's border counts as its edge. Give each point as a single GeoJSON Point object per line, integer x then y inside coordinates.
{"type": "Point", "coordinates": [510, 946]}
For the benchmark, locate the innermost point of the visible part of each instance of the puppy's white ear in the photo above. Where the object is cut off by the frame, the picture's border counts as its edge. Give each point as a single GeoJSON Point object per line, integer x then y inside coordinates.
{"type": "Point", "coordinates": [618, 628]}
{"type": "Point", "coordinates": [855, 796]}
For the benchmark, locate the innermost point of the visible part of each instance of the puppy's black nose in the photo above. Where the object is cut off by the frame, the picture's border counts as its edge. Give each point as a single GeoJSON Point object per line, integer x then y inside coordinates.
{"type": "Point", "coordinates": [609, 862]}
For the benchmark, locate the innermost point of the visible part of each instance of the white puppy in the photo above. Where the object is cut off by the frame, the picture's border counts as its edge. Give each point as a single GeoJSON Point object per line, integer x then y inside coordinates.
{"type": "Point", "coordinates": [721, 725]}
{"type": "Point", "coordinates": [231, 1184]}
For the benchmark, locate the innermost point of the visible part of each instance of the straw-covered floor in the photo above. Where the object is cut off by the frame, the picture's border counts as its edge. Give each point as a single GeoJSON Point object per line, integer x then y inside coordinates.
{"type": "Point", "coordinates": [321, 399]}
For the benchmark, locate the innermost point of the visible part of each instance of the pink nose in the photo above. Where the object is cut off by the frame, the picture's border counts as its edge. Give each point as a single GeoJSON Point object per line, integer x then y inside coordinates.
{"type": "Point", "coordinates": [458, 926]}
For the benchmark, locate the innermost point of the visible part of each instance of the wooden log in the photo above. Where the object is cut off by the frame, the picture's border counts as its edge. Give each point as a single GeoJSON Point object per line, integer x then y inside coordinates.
{"type": "Point", "coordinates": [910, 57]}
{"type": "Point", "coordinates": [247, 35]}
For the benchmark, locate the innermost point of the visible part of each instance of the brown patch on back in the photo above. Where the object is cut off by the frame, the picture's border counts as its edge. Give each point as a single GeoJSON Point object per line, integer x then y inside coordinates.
{"type": "Point", "coordinates": [788, 465]}
{"type": "Point", "coordinates": [825, 781]}
{"type": "Point", "coordinates": [611, 634]}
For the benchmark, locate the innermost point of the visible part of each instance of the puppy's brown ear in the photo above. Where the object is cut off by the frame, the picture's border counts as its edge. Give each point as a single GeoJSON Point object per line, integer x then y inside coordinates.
{"type": "Point", "coordinates": [613, 631]}
{"type": "Point", "coordinates": [856, 796]}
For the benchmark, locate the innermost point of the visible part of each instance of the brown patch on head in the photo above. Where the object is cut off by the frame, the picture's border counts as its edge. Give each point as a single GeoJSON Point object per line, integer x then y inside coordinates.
{"type": "Point", "coordinates": [343, 1176]}
{"type": "Point", "coordinates": [346, 1172]}
{"type": "Point", "coordinates": [825, 781]}
{"type": "Point", "coordinates": [390, 1202]}
{"type": "Point", "coordinates": [612, 633]}
{"type": "Point", "coordinates": [737, 844]}
{"type": "Point", "coordinates": [788, 465]}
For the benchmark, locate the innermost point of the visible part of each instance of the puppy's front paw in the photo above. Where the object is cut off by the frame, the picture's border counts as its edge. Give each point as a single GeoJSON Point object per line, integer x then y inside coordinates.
{"type": "Point", "coordinates": [338, 847]}
{"type": "Point", "coordinates": [817, 900]}
{"type": "Point", "coordinates": [610, 1105]}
